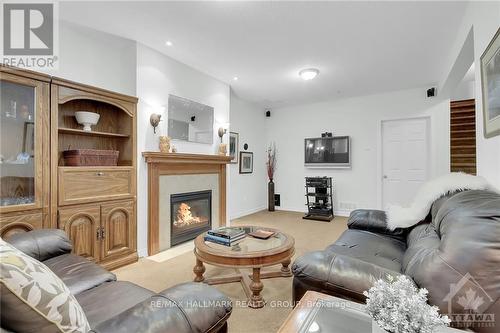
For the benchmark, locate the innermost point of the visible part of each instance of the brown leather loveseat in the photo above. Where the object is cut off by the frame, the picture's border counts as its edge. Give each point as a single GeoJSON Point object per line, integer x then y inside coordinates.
{"type": "Point", "coordinates": [111, 305]}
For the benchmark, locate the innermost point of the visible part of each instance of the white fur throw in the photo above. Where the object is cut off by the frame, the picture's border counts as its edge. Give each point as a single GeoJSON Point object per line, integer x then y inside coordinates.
{"type": "Point", "coordinates": [404, 217]}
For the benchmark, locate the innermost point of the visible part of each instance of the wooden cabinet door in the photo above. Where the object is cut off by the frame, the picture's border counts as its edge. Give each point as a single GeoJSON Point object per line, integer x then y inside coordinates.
{"type": "Point", "coordinates": [10, 225]}
{"type": "Point", "coordinates": [118, 222]}
{"type": "Point", "coordinates": [24, 135]}
{"type": "Point", "coordinates": [82, 224]}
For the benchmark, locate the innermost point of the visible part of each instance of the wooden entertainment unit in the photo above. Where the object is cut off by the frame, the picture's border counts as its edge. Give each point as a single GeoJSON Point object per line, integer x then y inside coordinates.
{"type": "Point", "coordinates": [95, 205]}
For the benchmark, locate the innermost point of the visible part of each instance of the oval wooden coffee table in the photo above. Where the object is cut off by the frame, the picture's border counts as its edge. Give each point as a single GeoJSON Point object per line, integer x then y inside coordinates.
{"type": "Point", "coordinates": [248, 253]}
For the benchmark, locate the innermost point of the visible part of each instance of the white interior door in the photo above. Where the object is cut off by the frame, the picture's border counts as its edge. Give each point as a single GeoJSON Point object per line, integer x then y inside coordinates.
{"type": "Point", "coordinates": [405, 159]}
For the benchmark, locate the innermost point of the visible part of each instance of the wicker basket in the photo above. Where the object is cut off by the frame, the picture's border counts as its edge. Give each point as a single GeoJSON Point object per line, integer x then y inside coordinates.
{"type": "Point", "coordinates": [90, 157]}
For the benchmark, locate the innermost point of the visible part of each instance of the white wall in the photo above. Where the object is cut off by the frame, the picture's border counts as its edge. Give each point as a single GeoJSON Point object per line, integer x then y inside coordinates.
{"type": "Point", "coordinates": [96, 58]}
{"type": "Point", "coordinates": [157, 77]}
{"type": "Point", "coordinates": [359, 118]}
{"type": "Point", "coordinates": [483, 18]}
{"type": "Point", "coordinates": [248, 192]}
{"type": "Point", "coordinates": [465, 90]}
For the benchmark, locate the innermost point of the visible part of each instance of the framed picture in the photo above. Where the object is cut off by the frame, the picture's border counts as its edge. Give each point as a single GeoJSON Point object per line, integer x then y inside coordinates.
{"type": "Point", "coordinates": [490, 81]}
{"type": "Point", "coordinates": [29, 138]}
{"type": "Point", "coordinates": [246, 162]}
{"type": "Point", "coordinates": [233, 147]}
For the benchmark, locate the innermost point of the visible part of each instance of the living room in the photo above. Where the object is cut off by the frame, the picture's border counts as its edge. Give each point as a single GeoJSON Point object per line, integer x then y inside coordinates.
{"type": "Point", "coordinates": [248, 166]}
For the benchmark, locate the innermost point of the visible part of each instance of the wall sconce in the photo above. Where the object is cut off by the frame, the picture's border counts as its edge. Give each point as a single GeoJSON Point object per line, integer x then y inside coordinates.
{"type": "Point", "coordinates": [155, 119]}
{"type": "Point", "coordinates": [221, 132]}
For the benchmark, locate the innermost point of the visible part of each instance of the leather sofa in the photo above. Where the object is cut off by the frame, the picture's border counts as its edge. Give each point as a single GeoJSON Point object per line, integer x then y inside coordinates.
{"type": "Point", "coordinates": [455, 250]}
{"type": "Point", "coordinates": [119, 306]}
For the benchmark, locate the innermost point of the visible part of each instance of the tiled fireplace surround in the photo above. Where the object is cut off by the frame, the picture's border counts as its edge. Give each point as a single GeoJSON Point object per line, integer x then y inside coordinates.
{"type": "Point", "coordinates": [174, 173]}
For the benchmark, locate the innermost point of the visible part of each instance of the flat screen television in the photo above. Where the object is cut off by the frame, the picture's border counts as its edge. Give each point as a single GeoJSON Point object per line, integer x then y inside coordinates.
{"type": "Point", "coordinates": [332, 152]}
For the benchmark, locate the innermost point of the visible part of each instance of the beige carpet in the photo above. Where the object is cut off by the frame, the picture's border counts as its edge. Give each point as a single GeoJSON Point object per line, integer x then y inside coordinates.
{"type": "Point", "coordinates": [309, 235]}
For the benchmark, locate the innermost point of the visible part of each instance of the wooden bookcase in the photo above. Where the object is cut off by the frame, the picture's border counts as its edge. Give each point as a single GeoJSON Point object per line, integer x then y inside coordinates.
{"type": "Point", "coordinates": [95, 205]}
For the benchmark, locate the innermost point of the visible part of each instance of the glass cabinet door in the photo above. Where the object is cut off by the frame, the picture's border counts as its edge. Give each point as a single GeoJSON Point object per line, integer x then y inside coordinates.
{"type": "Point", "coordinates": [18, 144]}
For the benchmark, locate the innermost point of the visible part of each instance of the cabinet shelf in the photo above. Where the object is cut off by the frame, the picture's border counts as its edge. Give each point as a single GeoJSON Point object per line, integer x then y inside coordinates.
{"type": "Point", "coordinates": [95, 168]}
{"type": "Point", "coordinates": [75, 131]}
{"type": "Point", "coordinates": [319, 205]}
{"type": "Point", "coordinates": [319, 195]}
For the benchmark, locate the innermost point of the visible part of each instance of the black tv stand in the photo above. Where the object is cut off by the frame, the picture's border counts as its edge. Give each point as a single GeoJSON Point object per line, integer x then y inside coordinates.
{"type": "Point", "coordinates": [319, 199]}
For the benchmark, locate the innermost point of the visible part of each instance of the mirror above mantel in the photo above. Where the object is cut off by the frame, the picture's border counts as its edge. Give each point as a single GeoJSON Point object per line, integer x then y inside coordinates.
{"type": "Point", "coordinates": [190, 121]}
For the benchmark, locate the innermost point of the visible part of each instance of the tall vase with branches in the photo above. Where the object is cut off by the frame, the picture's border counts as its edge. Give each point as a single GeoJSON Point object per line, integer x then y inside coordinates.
{"type": "Point", "coordinates": [271, 168]}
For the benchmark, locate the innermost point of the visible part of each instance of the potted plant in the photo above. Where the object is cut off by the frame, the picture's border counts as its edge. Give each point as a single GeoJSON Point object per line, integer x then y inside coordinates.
{"type": "Point", "coordinates": [398, 306]}
{"type": "Point", "coordinates": [271, 168]}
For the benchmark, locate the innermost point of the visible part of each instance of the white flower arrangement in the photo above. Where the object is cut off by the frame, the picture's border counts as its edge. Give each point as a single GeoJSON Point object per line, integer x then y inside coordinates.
{"type": "Point", "coordinates": [398, 306]}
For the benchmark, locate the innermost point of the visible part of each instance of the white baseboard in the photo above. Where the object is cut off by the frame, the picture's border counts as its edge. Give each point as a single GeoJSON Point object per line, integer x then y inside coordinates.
{"type": "Point", "coordinates": [142, 253]}
{"type": "Point", "coordinates": [343, 212]}
{"type": "Point", "coordinates": [247, 212]}
{"type": "Point", "coordinates": [292, 209]}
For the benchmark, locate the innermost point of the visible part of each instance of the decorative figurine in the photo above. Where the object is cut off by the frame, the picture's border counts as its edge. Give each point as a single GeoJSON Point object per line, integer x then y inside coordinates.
{"type": "Point", "coordinates": [164, 144]}
{"type": "Point", "coordinates": [223, 149]}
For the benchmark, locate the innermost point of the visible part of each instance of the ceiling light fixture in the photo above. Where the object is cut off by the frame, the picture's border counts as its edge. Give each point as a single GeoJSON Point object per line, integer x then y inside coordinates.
{"type": "Point", "coordinates": [308, 73]}
{"type": "Point", "coordinates": [235, 78]}
{"type": "Point", "coordinates": [168, 43]}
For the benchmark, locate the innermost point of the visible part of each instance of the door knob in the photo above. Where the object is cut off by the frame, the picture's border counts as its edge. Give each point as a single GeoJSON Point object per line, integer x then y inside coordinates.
{"type": "Point", "coordinates": [385, 176]}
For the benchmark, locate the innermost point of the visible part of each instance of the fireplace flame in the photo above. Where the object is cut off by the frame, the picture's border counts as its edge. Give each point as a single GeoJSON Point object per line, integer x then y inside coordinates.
{"type": "Point", "coordinates": [184, 216]}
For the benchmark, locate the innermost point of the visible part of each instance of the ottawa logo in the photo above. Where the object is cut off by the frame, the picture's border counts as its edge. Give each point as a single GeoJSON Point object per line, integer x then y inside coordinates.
{"type": "Point", "coordinates": [468, 304]}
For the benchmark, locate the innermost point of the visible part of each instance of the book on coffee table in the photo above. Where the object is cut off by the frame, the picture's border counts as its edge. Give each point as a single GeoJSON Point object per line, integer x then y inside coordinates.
{"type": "Point", "coordinates": [222, 240]}
{"type": "Point", "coordinates": [261, 234]}
{"type": "Point", "coordinates": [227, 232]}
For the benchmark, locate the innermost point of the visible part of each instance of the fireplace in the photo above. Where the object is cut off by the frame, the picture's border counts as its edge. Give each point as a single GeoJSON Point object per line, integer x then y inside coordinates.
{"type": "Point", "coordinates": [190, 215]}
{"type": "Point", "coordinates": [169, 174]}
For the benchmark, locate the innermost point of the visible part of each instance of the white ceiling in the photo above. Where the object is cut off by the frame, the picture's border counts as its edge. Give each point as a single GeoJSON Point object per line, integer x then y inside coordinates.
{"type": "Point", "coordinates": [359, 47]}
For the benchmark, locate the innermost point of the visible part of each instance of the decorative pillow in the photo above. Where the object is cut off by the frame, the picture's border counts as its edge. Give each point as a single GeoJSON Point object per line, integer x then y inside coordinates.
{"type": "Point", "coordinates": [33, 298]}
